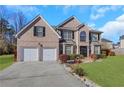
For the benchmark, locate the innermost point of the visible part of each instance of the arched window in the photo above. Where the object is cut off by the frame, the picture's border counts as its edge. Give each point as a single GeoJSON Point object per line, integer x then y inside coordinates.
{"type": "Point", "coordinates": [83, 36]}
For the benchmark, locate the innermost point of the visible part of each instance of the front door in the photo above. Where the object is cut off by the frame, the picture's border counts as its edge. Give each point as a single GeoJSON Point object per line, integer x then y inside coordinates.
{"type": "Point", "coordinates": [83, 50]}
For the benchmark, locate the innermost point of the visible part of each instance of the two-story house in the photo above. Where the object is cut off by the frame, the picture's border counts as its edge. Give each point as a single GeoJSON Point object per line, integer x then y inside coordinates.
{"type": "Point", "coordinates": [39, 41]}
{"type": "Point", "coordinates": [78, 38]}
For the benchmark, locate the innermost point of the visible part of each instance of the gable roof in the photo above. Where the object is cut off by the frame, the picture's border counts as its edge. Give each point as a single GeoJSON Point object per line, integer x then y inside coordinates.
{"type": "Point", "coordinates": [105, 40]}
{"type": "Point", "coordinates": [68, 20]}
{"type": "Point", "coordinates": [80, 26]}
{"type": "Point", "coordinates": [36, 18]}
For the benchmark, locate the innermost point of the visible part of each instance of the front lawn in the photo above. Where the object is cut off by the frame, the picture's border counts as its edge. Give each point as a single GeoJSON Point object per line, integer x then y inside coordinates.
{"type": "Point", "coordinates": [5, 61]}
{"type": "Point", "coordinates": [108, 73]}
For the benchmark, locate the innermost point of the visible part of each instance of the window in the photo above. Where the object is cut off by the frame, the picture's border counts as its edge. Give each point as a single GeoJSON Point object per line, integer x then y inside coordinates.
{"type": "Point", "coordinates": [83, 36]}
{"type": "Point", "coordinates": [94, 37]}
{"type": "Point", "coordinates": [97, 49]}
{"type": "Point", "coordinates": [68, 50]}
{"type": "Point", "coordinates": [67, 35]}
{"type": "Point", "coordinates": [39, 31]}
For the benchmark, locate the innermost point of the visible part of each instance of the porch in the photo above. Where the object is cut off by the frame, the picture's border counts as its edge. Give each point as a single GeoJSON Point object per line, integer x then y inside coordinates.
{"type": "Point", "coordinates": [68, 49]}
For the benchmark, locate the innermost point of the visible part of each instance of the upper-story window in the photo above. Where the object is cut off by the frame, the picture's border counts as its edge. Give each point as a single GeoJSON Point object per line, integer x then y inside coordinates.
{"type": "Point", "coordinates": [83, 36]}
{"type": "Point", "coordinates": [94, 37]}
{"type": "Point", "coordinates": [68, 35]}
{"type": "Point", "coordinates": [39, 31]}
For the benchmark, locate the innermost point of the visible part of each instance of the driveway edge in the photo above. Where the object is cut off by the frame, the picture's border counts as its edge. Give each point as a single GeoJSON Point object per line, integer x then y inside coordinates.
{"type": "Point", "coordinates": [84, 80]}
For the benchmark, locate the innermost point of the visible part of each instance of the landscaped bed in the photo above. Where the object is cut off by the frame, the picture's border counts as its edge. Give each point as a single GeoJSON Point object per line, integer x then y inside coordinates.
{"type": "Point", "coordinates": [108, 72]}
{"type": "Point", "coordinates": [5, 61]}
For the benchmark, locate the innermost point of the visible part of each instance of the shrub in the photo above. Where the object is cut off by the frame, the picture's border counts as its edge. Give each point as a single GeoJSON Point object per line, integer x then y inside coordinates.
{"type": "Point", "coordinates": [68, 57]}
{"type": "Point", "coordinates": [72, 56]}
{"type": "Point", "coordinates": [107, 52]}
{"type": "Point", "coordinates": [93, 56]}
{"type": "Point", "coordinates": [81, 57]}
{"type": "Point", "coordinates": [1, 51]}
{"type": "Point", "coordinates": [111, 53]}
{"type": "Point", "coordinates": [79, 71]}
{"type": "Point", "coordinates": [77, 55]}
{"type": "Point", "coordinates": [77, 60]}
{"type": "Point", "coordinates": [98, 56]}
{"type": "Point", "coordinates": [63, 58]}
{"type": "Point", "coordinates": [103, 56]}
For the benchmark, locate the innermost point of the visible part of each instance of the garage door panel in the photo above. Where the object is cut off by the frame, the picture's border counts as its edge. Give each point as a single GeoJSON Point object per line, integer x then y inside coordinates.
{"type": "Point", "coordinates": [30, 54]}
{"type": "Point", "coordinates": [49, 54]}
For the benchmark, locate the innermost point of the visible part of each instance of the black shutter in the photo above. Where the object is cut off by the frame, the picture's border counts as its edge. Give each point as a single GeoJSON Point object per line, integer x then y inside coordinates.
{"type": "Point", "coordinates": [35, 31]}
{"type": "Point", "coordinates": [43, 31]}
{"type": "Point", "coordinates": [98, 37]}
{"type": "Point", "coordinates": [72, 35]}
{"type": "Point", "coordinates": [62, 34]}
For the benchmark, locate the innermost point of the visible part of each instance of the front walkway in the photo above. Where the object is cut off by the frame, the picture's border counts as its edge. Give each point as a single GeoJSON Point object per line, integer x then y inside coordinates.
{"type": "Point", "coordinates": [37, 74]}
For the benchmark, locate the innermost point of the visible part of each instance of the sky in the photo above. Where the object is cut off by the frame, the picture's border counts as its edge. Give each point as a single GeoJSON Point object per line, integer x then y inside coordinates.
{"type": "Point", "coordinates": [108, 19]}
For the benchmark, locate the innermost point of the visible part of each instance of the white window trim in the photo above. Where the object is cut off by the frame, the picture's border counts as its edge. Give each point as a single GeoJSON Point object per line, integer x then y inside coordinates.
{"type": "Point", "coordinates": [67, 35]}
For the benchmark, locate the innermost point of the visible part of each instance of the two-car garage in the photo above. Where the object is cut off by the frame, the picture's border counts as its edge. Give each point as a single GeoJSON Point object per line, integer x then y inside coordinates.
{"type": "Point", "coordinates": [37, 41]}
{"type": "Point", "coordinates": [35, 54]}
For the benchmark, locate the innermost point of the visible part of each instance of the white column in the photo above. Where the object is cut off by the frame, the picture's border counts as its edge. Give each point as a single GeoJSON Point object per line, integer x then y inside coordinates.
{"type": "Point", "coordinates": [92, 49]}
{"type": "Point", "coordinates": [71, 49]}
{"type": "Point", "coordinates": [88, 51]}
{"type": "Point", "coordinates": [77, 43]}
{"type": "Point", "coordinates": [63, 48]}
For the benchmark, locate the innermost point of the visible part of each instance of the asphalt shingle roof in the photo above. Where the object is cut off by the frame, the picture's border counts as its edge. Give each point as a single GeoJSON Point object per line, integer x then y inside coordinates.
{"type": "Point", "coordinates": [105, 40]}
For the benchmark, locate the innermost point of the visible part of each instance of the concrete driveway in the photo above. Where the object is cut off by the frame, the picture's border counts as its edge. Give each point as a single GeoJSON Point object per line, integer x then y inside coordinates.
{"type": "Point", "coordinates": [37, 74]}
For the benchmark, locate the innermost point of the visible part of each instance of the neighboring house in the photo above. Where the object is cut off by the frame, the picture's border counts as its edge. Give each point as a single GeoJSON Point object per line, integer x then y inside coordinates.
{"type": "Point", "coordinates": [122, 41]}
{"type": "Point", "coordinates": [38, 41]}
{"type": "Point", "coordinates": [117, 45]}
{"type": "Point", "coordinates": [106, 44]}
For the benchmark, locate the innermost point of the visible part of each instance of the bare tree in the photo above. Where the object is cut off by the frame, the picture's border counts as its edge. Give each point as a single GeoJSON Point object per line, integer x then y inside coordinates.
{"type": "Point", "coordinates": [6, 31]}
{"type": "Point", "coordinates": [3, 21]}
{"type": "Point", "coordinates": [3, 12]}
{"type": "Point", "coordinates": [19, 20]}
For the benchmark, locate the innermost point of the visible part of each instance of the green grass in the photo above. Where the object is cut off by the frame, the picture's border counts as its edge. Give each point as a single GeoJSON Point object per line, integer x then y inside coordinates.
{"type": "Point", "coordinates": [5, 61]}
{"type": "Point", "coordinates": [108, 73]}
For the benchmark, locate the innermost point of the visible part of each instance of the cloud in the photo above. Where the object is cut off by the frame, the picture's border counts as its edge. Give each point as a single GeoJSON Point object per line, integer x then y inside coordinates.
{"type": "Point", "coordinates": [78, 8]}
{"type": "Point", "coordinates": [66, 8]}
{"type": "Point", "coordinates": [96, 16]}
{"type": "Point", "coordinates": [113, 29]}
{"type": "Point", "coordinates": [92, 25]}
{"type": "Point", "coordinates": [120, 18]}
{"type": "Point", "coordinates": [100, 11]}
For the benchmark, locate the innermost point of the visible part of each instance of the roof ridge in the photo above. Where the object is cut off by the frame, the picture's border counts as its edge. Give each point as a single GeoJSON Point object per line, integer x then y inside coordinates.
{"type": "Point", "coordinates": [66, 20]}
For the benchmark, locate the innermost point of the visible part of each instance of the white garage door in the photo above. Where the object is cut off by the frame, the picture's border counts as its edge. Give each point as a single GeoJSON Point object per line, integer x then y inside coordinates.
{"type": "Point", "coordinates": [30, 54]}
{"type": "Point", "coordinates": [49, 54]}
